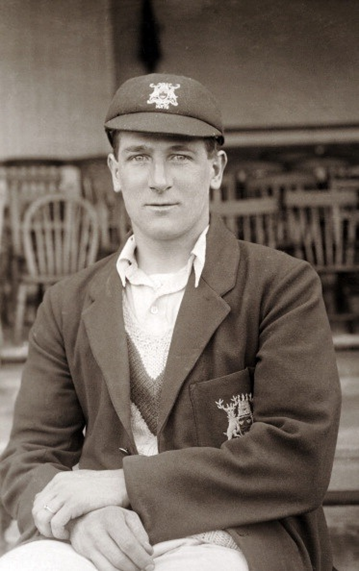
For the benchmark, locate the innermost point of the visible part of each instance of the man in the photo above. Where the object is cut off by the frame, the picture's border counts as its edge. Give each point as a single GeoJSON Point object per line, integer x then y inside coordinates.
{"type": "Point", "coordinates": [189, 378]}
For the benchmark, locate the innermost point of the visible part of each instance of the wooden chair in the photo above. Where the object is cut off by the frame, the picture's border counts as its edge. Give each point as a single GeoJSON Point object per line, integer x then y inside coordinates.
{"type": "Point", "coordinates": [323, 167]}
{"type": "Point", "coordinates": [323, 228]}
{"type": "Point", "coordinates": [345, 179]}
{"type": "Point", "coordinates": [289, 157]}
{"type": "Point", "coordinates": [351, 171]}
{"type": "Point", "coordinates": [227, 190]}
{"type": "Point", "coordinates": [97, 188]}
{"type": "Point", "coordinates": [255, 168]}
{"type": "Point", "coordinates": [26, 180]}
{"type": "Point", "coordinates": [340, 184]}
{"type": "Point", "coordinates": [240, 168]}
{"type": "Point", "coordinates": [251, 219]}
{"type": "Point", "coordinates": [276, 185]}
{"type": "Point", "coordinates": [60, 237]}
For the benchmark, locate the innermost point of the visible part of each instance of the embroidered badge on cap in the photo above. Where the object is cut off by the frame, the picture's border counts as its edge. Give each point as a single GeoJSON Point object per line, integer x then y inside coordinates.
{"type": "Point", "coordinates": [163, 95]}
{"type": "Point", "coordinates": [239, 415]}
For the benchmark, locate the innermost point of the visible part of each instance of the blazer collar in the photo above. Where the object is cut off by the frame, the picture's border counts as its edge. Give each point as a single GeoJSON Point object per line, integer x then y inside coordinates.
{"type": "Point", "coordinates": [222, 257]}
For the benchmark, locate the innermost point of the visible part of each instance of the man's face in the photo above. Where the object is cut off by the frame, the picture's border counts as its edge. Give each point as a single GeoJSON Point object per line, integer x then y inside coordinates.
{"type": "Point", "coordinates": [165, 182]}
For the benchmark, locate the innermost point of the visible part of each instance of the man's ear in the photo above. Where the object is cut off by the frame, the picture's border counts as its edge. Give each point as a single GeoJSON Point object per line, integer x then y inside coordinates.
{"type": "Point", "coordinates": [218, 166]}
{"type": "Point", "coordinates": [115, 173]}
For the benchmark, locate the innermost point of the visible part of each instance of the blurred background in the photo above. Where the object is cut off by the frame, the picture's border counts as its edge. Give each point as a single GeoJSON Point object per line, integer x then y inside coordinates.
{"type": "Point", "coordinates": [287, 78]}
{"type": "Point", "coordinates": [284, 72]}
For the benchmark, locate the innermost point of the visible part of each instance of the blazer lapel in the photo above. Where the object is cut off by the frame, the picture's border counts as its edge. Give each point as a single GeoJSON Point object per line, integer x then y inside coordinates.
{"type": "Point", "coordinates": [106, 333]}
{"type": "Point", "coordinates": [202, 311]}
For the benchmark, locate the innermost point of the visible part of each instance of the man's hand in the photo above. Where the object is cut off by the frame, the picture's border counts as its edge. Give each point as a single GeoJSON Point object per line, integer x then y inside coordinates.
{"type": "Point", "coordinates": [70, 495]}
{"type": "Point", "coordinates": [114, 539]}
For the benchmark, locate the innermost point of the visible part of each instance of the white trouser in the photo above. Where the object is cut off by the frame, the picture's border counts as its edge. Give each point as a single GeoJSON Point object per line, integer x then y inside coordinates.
{"type": "Point", "coordinates": [50, 555]}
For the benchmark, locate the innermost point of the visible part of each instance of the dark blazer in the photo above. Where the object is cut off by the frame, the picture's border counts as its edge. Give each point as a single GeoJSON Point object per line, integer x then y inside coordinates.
{"type": "Point", "coordinates": [254, 327]}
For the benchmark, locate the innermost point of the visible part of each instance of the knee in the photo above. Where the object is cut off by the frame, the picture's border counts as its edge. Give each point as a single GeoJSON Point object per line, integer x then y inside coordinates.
{"type": "Point", "coordinates": [43, 555]}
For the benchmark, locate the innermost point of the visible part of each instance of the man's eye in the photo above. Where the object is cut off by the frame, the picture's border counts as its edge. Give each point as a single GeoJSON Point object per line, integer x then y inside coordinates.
{"type": "Point", "coordinates": [138, 158]}
{"type": "Point", "coordinates": [180, 158]}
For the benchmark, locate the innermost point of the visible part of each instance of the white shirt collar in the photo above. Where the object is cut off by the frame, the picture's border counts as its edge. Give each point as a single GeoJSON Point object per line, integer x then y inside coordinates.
{"type": "Point", "coordinates": [127, 267]}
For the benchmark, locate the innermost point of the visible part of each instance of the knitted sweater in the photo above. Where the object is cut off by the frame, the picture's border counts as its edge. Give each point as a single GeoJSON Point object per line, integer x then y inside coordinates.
{"type": "Point", "coordinates": [147, 357]}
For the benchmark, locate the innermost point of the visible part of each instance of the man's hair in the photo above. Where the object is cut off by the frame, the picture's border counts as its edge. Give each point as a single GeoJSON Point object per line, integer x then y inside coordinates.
{"type": "Point", "coordinates": [211, 143]}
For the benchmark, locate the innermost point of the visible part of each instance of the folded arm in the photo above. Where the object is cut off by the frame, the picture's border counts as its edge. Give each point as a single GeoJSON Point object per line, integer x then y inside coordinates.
{"type": "Point", "coordinates": [282, 466]}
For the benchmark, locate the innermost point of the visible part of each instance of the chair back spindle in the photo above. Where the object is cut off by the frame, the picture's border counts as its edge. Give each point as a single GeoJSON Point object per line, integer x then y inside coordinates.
{"type": "Point", "coordinates": [60, 236]}
{"type": "Point", "coordinates": [250, 219]}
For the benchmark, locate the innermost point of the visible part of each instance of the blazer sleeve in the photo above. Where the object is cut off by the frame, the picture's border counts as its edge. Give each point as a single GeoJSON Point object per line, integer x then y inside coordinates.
{"type": "Point", "coordinates": [282, 466]}
{"type": "Point", "coordinates": [47, 433]}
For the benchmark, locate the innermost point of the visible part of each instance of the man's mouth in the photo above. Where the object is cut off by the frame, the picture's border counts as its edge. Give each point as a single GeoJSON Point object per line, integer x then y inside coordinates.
{"type": "Point", "coordinates": [162, 204]}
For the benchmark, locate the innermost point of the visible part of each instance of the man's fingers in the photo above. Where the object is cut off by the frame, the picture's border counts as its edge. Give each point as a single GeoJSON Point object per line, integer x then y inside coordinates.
{"type": "Point", "coordinates": [97, 545]}
{"type": "Point", "coordinates": [60, 520]}
{"type": "Point", "coordinates": [43, 514]}
{"type": "Point", "coordinates": [132, 547]}
{"type": "Point", "coordinates": [42, 521]}
{"type": "Point", "coordinates": [110, 558]}
{"type": "Point", "coordinates": [135, 525]}
{"type": "Point", "coordinates": [50, 518]}
{"type": "Point", "coordinates": [47, 503]}
{"type": "Point", "coordinates": [58, 525]}
{"type": "Point", "coordinates": [105, 533]}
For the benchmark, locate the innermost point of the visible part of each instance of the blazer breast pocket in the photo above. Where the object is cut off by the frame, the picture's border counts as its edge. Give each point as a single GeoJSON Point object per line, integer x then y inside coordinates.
{"type": "Point", "coordinates": [222, 407]}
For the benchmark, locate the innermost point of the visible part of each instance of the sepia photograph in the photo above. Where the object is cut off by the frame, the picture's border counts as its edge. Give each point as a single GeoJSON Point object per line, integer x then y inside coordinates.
{"type": "Point", "coordinates": [179, 285]}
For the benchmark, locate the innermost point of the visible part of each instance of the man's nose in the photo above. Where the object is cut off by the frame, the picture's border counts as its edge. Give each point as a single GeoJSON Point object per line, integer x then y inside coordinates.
{"type": "Point", "coordinates": [160, 178]}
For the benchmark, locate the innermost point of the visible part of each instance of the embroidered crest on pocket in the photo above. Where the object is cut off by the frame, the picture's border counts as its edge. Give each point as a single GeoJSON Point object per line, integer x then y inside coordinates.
{"type": "Point", "coordinates": [239, 415]}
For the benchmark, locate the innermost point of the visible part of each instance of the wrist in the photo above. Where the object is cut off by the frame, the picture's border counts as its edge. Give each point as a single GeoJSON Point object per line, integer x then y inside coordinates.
{"type": "Point", "coordinates": [113, 489]}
